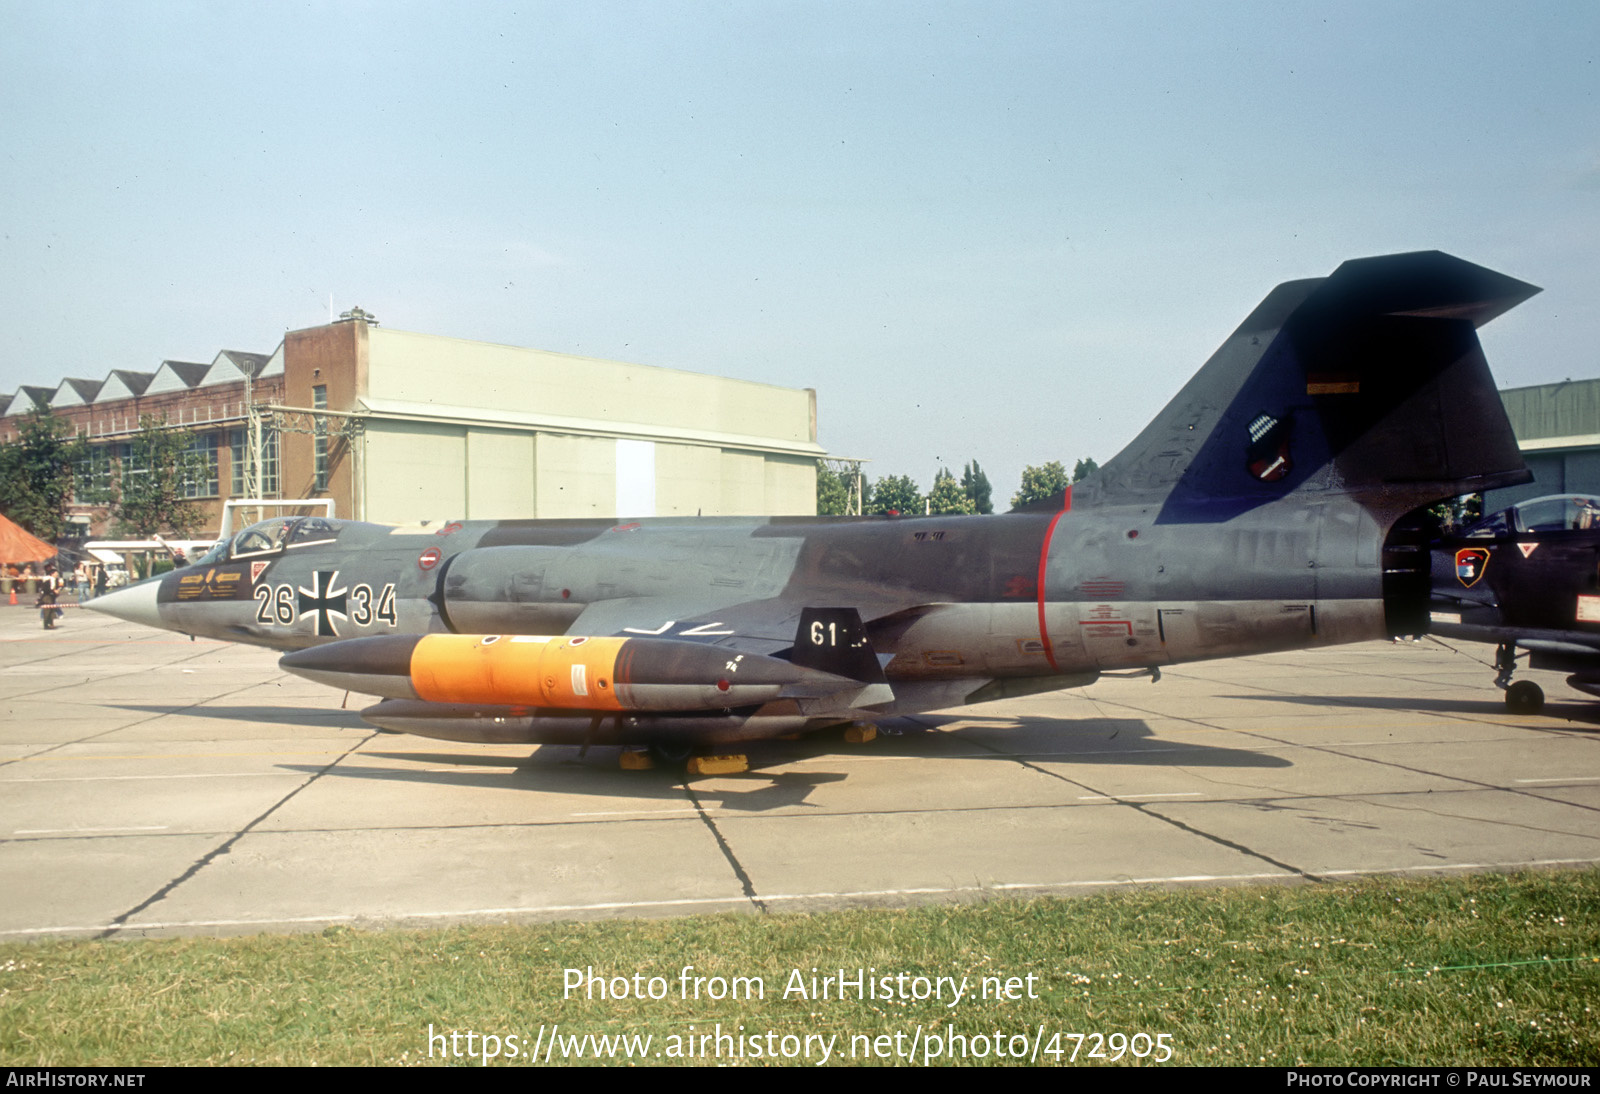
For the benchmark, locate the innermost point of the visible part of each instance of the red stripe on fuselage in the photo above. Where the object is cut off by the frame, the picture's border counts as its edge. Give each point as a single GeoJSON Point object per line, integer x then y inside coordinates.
{"type": "Point", "coordinates": [1044, 555]}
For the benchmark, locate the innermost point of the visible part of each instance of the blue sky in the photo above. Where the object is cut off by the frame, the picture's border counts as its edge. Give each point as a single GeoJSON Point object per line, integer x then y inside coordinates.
{"type": "Point", "coordinates": [1003, 232]}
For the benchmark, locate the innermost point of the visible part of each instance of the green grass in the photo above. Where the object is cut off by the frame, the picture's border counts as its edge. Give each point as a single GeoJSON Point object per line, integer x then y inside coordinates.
{"type": "Point", "coordinates": [1479, 970]}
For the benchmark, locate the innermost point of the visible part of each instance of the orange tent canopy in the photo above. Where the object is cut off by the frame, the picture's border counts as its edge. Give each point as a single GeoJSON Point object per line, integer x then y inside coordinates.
{"type": "Point", "coordinates": [17, 545]}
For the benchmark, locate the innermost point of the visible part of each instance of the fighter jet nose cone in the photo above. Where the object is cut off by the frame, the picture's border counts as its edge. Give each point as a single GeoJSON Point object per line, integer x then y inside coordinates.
{"type": "Point", "coordinates": [136, 604]}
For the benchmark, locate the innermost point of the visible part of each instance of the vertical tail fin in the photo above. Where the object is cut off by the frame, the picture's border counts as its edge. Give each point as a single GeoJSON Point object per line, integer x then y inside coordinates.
{"type": "Point", "coordinates": [1369, 382]}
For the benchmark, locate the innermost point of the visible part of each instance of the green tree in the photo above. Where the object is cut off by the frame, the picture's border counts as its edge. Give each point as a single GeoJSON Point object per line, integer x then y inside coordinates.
{"type": "Point", "coordinates": [1084, 468]}
{"type": "Point", "coordinates": [975, 484]}
{"type": "Point", "coordinates": [833, 492]}
{"type": "Point", "coordinates": [36, 474]}
{"type": "Point", "coordinates": [1457, 513]}
{"type": "Point", "coordinates": [896, 494]}
{"type": "Point", "coordinates": [947, 495]}
{"type": "Point", "coordinates": [1040, 483]}
{"type": "Point", "coordinates": [154, 484]}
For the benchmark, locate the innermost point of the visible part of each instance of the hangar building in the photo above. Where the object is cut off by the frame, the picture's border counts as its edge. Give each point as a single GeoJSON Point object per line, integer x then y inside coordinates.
{"type": "Point", "coordinates": [398, 426]}
{"type": "Point", "coordinates": [1558, 430]}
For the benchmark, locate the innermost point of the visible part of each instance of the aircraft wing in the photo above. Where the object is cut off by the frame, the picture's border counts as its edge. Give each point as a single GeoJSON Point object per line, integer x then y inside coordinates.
{"type": "Point", "coordinates": [765, 626]}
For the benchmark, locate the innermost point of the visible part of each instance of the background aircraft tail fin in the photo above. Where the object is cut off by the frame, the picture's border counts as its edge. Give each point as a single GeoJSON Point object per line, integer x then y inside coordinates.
{"type": "Point", "coordinates": [1368, 382]}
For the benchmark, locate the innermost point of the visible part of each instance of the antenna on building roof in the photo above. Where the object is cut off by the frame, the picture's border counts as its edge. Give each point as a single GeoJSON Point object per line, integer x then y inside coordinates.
{"type": "Point", "coordinates": [357, 315]}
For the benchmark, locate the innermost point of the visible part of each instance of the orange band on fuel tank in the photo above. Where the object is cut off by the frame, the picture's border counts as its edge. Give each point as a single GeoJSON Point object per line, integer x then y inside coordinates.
{"type": "Point", "coordinates": [517, 670]}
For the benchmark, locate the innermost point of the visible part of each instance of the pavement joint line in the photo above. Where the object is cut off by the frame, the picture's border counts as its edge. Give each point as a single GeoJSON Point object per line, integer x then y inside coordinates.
{"type": "Point", "coordinates": [120, 922]}
{"type": "Point", "coordinates": [79, 670]}
{"type": "Point", "coordinates": [1279, 800]}
{"type": "Point", "coordinates": [144, 778]}
{"type": "Point", "coordinates": [1211, 760]}
{"type": "Point", "coordinates": [1144, 808]}
{"type": "Point", "coordinates": [168, 757]}
{"type": "Point", "coordinates": [78, 649]}
{"type": "Point", "coordinates": [1385, 802]}
{"type": "Point", "coordinates": [980, 753]}
{"type": "Point", "coordinates": [1347, 701]}
{"type": "Point", "coordinates": [1065, 753]}
{"type": "Point", "coordinates": [1478, 783]}
{"type": "Point", "coordinates": [1333, 750]}
{"type": "Point", "coordinates": [377, 920]}
{"type": "Point", "coordinates": [1148, 713]}
{"type": "Point", "coordinates": [727, 852]}
{"type": "Point", "coordinates": [118, 729]}
{"type": "Point", "coordinates": [1132, 797]}
{"type": "Point", "coordinates": [90, 831]}
{"type": "Point", "coordinates": [647, 812]}
{"type": "Point", "coordinates": [1223, 841]}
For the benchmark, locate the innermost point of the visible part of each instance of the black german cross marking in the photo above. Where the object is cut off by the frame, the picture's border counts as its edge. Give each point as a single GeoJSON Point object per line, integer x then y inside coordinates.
{"type": "Point", "coordinates": [326, 601]}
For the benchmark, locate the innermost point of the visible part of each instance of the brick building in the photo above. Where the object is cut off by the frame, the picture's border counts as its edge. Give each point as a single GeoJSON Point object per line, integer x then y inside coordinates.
{"type": "Point", "coordinates": [398, 426]}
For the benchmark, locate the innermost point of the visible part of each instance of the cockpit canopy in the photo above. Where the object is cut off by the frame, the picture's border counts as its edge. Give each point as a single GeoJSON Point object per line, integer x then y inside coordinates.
{"type": "Point", "coordinates": [1552, 513]}
{"type": "Point", "coordinates": [270, 537]}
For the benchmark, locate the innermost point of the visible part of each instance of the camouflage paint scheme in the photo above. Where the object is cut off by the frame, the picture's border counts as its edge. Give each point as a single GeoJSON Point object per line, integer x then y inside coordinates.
{"type": "Point", "coordinates": [1526, 577]}
{"type": "Point", "coordinates": [1261, 510]}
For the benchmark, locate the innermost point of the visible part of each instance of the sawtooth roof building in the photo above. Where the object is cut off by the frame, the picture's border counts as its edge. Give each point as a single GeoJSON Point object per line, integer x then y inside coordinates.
{"type": "Point", "coordinates": [399, 426]}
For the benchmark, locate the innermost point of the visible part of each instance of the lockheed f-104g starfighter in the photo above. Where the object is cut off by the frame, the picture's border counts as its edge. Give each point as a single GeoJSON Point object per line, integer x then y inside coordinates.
{"type": "Point", "coordinates": [1263, 509]}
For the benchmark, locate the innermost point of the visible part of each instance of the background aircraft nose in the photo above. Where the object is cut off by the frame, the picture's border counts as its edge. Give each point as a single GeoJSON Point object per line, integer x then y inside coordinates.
{"type": "Point", "coordinates": [136, 603]}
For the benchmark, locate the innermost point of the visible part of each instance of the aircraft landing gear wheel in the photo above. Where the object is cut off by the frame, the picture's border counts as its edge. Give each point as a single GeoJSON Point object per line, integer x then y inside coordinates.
{"type": "Point", "coordinates": [1524, 697]}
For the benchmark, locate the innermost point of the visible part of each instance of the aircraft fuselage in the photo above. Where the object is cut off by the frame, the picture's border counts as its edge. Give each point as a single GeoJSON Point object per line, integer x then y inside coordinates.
{"type": "Point", "coordinates": [956, 598]}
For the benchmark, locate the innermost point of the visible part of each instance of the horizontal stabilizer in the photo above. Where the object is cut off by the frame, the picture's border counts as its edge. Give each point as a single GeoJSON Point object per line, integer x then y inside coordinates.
{"type": "Point", "coordinates": [1427, 284]}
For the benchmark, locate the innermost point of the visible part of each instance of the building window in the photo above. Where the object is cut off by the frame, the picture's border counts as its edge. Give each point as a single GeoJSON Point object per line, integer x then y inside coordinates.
{"type": "Point", "coordinates": [266, 474]}
{"type": "Point", "coordinates": [236, 458]}
{"type": "Point", "coordinates": [92, 475]}
{"type": "Point", "coordinates": [200, 481]}
{"type": "Point", "coordinates": [319, 427]}
{"type": "Point", "coordinates": [269, 465]}
{"type": "Point", "coordinates": [127, 466]}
